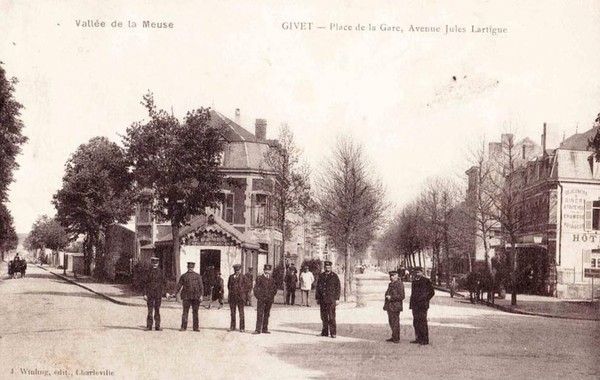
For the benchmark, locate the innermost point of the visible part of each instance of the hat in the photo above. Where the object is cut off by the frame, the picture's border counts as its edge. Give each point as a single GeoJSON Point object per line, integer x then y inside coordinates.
{"type": "Point", "coordinates": [154, 259]}
{"type": "Point", "coordinates": [268, 267]}
{"type": "Point", "coordinates": [393, 272]}
{"type": "Point", "coordinates": [250, 268]}
{"type": "Point", "coordinates": [418, 269]}
{"type": "Point", "coordinates": [237, 266]}
{"type": "Point", "coordinates": [326, 263]}
{"type": "Point", "coordinates": [191, 264]}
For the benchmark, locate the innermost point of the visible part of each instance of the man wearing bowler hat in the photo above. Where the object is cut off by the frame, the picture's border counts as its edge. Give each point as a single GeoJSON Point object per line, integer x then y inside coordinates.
{"type": "Point", "coordinates": [393, 305]}
{"type": "Point", "coordinates": [328, 297]}
{"type": "Point", "coordinates": [153, 291]}
{"type": "Point", "coordinates": [264, 291]}
{"type": "Point", "coordinates": [236, 285]}
{"type": "Point", "coordinates": [421, 292]}
{"type": "Point", "coordinates": [190, 285]}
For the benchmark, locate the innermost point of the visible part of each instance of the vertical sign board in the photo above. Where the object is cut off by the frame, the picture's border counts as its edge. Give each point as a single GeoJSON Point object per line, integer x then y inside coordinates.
{"type": "Point", "coordinates": [592, 273]}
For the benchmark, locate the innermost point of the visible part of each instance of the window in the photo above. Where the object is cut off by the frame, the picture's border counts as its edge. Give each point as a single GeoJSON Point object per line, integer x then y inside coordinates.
{"type": "Point", "coordinates": [594, 263]}
{"type": "Point", "coordinates": [596, 215]}
{"type": "Point", "coordinates": [227, 208]}
{"type": "Point", "coordinates": [260, 210]}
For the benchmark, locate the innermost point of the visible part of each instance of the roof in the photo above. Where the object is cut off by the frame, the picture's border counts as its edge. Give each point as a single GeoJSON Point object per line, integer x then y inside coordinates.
{"type": "Point", "coordinates": [212, 223]}
{"type": "Point", "coordinates": [232, 131]}
{"type": "Point", "coordinates": [579, 141]}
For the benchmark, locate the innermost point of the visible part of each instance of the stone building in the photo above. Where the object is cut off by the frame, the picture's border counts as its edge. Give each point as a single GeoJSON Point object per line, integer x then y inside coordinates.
{"type": "Point", "coordinates": [243, 230]}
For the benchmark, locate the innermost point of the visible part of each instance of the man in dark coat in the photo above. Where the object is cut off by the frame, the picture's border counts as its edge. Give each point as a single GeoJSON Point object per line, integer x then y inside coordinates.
{"type": "Point", "coordinates": [291, 281]}
{"type": "Point", "coordinates": [328, 296]}
{"type": "Point", "coordinates": [237, 288]}
{"type": "Point", "coordinates": [264, 291]}
{"type": "Point", "coordinates": [153, 291]}
{"type": "Point", "coordinates": [249, 277]}
{"type": "Point", "coordinates": [421, 292]}
{"type": "Point", "coordinates": [190, 285]}
{"type": "Point", "coordinates": [393, 305]}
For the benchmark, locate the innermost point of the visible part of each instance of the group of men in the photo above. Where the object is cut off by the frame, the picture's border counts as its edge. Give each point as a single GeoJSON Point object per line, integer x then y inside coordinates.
{"type": "Point", "coordinates": [17, 265]}
{"type": "Point", "coordinates": [421, 293]}
{"type": "Point", "coordinates": [190, 289]}
{"type": "Point", "coordinates": [292, 281]}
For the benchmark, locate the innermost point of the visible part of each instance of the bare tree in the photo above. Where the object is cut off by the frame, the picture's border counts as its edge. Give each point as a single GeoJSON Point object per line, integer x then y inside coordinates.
{"type": "Point", "coordinates": [436, 202]}
{"type": "Point", "coordinates": [350, 202]}
{"type": "Point", "coordinates": [505, 194]}
{"type": "Point", "coordinates": [480, 199]}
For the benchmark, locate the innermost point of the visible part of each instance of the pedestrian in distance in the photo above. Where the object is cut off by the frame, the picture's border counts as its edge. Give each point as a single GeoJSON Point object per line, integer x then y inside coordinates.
{"type": "Point", "coordinates": [265, 290]}
{"type": "Point", "coordinates": [249, 284]}
{"type": "Point", "coordinates": [23, 267]}
{"type": "Point", "coordinates": [237, 290]}
{"type": "Point", "coordinates": [394, 296]}
{"type": "Point", "coordinates": [218, 290]}
{"type": "Point", "coordinates": [153, 290]}
{"type": "Point", "coordinates": [306, 281]}
{"type": "Point", "coordinates": [291, 281]}
{"type": "Point", "coordinates": [190, 286]}
{"type": "Point", "coordinates": [328, 296]}
{"type": "Point", "coordinates": [421, 293]}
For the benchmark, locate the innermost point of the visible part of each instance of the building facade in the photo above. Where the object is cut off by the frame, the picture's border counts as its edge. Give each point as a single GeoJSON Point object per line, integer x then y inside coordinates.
{"type": "Point", "coordinates": [559, 210]}
{"type": "Point", "coordinates": [243, 229]}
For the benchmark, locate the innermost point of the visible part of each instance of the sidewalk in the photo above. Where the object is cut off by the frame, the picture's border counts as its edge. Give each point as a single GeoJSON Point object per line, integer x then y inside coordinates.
{"type": "Point", "coordinates": [541, 306]}
{"type": "Point", "coordinates": [121, 294]}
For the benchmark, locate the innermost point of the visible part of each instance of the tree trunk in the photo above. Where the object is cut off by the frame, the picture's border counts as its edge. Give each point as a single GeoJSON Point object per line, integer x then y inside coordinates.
{"type": "Point", "coordinates": [346, 271]}
{"type": "Point", "coordinates": [87, 255]}
{"type": "Point", "coordinates": [176, 247]}
{"type": "Point", "coordinates": [513, 294]}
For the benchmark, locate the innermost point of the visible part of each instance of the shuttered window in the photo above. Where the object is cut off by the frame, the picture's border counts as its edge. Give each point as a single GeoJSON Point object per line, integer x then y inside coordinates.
{"type": "Point", "coordinates": [588, 215]}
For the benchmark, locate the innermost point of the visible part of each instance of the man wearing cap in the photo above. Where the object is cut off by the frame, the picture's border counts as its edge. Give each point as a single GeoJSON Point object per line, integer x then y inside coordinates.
{"type": "Point", "coordinates": [249, 283]}
{"type": "Point", "coordinates": [421, 292]}
{"type": "Point", "coordinates": [393, 305]}
{"type": "Point", "coordinates": [236, 285]}
{"type": "Point", "coordinates": [328, 296]}
{"type": "Point", "coordinates": [153, 291]}
{"type": "Point", "coordinates": [264, 291]}
{"type": "Point", "coordinates": [190, 285]}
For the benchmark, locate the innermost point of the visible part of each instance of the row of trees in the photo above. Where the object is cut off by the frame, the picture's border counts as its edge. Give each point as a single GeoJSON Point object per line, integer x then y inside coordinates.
{"type": "Point", "coordinates": [447, 224]}
{"type": "Point", "coordinates": [11, 142]}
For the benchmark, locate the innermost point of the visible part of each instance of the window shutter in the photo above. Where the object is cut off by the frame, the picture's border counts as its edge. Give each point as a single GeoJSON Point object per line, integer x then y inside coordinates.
{"type": "Point", "coordinates": [588, 215]}
{"type": "Point", "coordinates": [252, 209]}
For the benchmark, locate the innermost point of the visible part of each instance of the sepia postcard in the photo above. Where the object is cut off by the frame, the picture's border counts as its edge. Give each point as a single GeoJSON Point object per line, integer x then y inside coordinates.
{"type": "Point", "coordinates": [299, 189]}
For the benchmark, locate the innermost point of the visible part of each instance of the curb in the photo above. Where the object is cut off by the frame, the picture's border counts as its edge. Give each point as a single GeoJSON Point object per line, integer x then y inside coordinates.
{"type": "Point", "coordinates": [511, 310]}
{"type": "Point", "coordinates": [88, 289]}
{"type": "Point", "coordinates": [436, 287]}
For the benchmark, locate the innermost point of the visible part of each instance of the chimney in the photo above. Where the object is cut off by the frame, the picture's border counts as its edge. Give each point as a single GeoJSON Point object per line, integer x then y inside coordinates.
{"type": "Point", "coordinates": [260, 129]}
{"type": "Point", "coordinates": [544, 140]}
{"type": "Point", "coordinates": [238, 118]}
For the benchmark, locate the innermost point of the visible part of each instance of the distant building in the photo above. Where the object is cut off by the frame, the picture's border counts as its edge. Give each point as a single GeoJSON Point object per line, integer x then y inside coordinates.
{"type": "Point", "coordinates": [523, 151]}
{"type": "Point", "coordinates": [243, 230]}
{"type": "Point", "coordinates": [559, 210]}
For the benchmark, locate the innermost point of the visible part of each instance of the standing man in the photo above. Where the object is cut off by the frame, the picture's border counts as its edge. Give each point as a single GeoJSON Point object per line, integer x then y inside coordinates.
{"type": "Point", "coordinates": [190, 285]}
{"type": "Point", "coordinates": [291, 280]}
{"type": "Point", "coordinates": [249, 283]}
{"type": "Point", "coordinates": [236, 286]}
{"type": "Point", "coordinates": [393, 305]}
{"type": "Point", "coordinates": [421, 292]}
{"type": "Point", "coordinates": [153, 291]}
{"type": "Point", "coordinates": [264, 291]}
{"type": "Point", "coordinates": [306, 281]}
{"type": "Point", "coordinates": [328, 296]}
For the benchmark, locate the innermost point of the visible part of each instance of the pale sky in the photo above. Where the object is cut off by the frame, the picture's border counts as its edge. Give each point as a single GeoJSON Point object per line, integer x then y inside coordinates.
{"type": "Point", "coordinates": [392, 91]}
